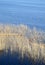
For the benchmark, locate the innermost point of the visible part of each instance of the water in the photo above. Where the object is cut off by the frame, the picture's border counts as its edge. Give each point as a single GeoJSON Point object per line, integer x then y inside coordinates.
{"type": "Point", "coordinates": [8, 59]}
{"type": "Point", "coordinates": [23, 11]}
{"type": "Point", "coordinates": [30, 12]}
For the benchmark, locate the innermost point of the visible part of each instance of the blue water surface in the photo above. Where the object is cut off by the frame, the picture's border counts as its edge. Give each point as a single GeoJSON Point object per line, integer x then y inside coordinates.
{"type": "Point", "coordinates": [23, 11]}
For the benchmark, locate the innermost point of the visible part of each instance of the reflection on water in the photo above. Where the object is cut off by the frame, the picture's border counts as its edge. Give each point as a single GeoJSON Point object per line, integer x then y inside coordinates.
{"type": "Point", "coordinates": [21, 45]}
{"type": "Point", "coordinates": [16, 59]}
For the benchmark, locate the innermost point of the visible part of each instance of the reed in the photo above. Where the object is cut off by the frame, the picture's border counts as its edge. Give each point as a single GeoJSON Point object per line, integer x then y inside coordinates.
{"type": "Point", "coordinates": [22, 39]}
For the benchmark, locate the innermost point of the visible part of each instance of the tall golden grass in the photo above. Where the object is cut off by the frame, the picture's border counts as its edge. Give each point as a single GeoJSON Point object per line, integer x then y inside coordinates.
{"type": "Point", "coordinates": [22, 39]}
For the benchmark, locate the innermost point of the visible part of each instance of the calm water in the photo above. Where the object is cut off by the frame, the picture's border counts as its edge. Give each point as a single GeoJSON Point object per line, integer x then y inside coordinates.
{"type": "Point", "coordinates": [23, 11]}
